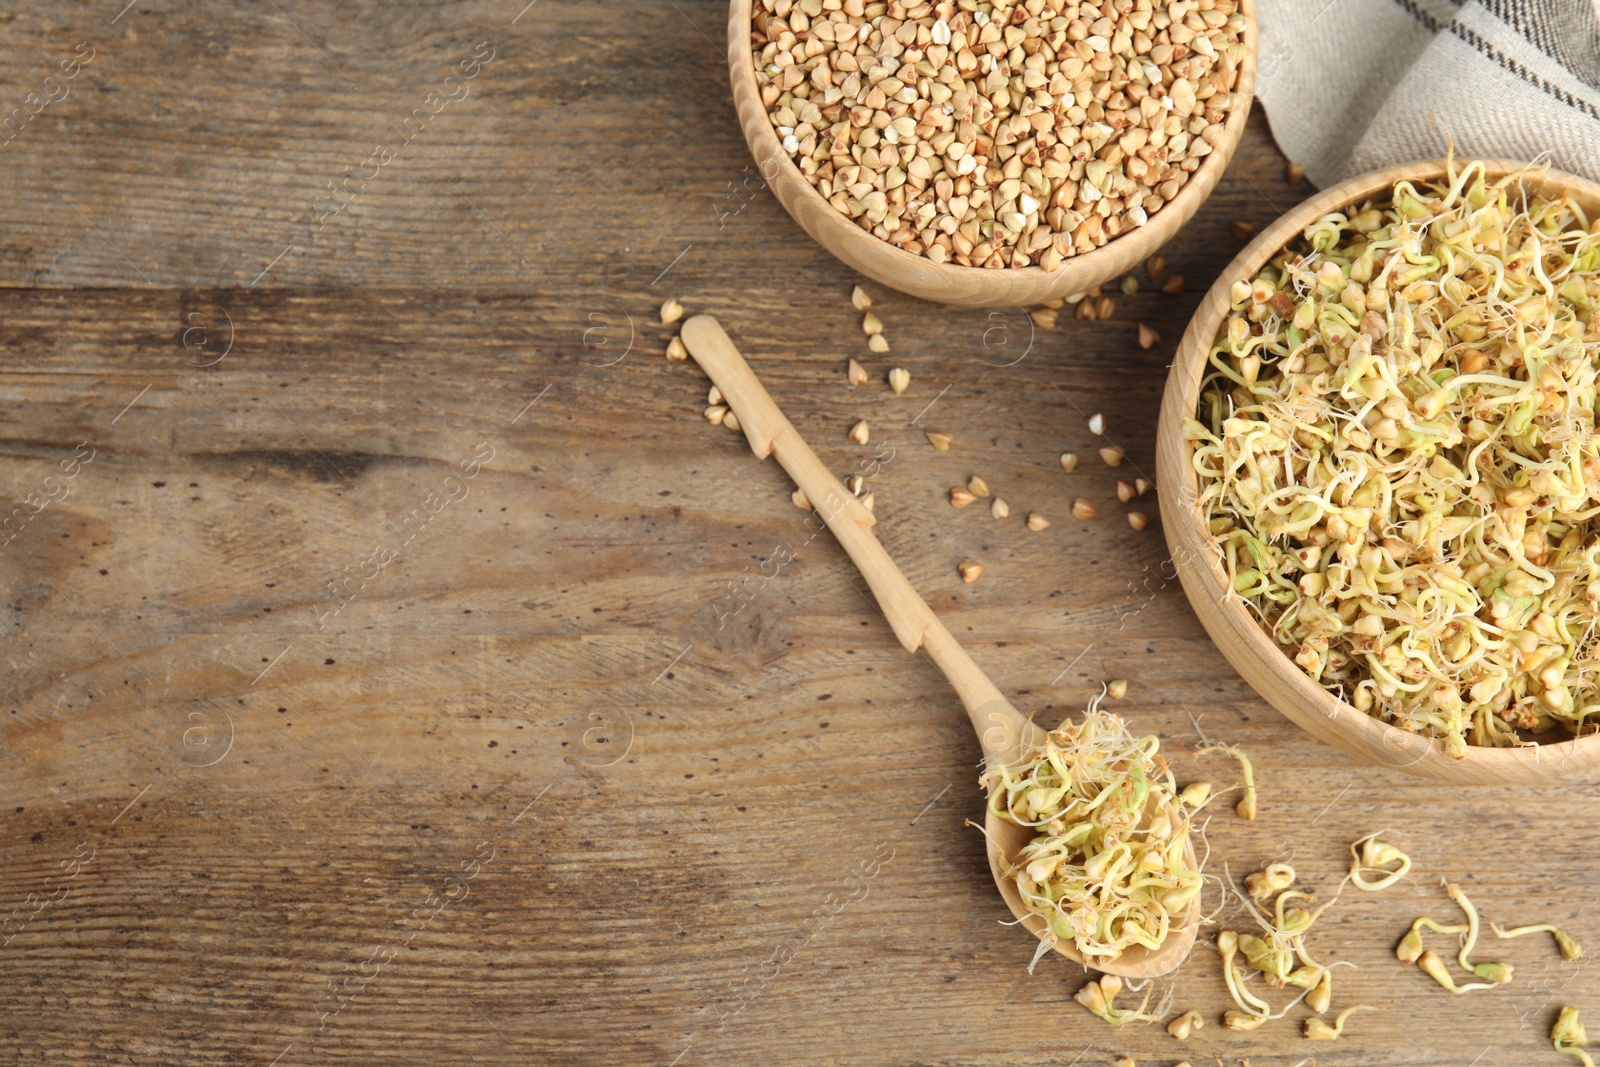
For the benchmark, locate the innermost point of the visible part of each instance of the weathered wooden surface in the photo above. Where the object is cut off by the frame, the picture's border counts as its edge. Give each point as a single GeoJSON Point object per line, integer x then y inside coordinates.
{"type": "Point", "coordinates": [541, 791]}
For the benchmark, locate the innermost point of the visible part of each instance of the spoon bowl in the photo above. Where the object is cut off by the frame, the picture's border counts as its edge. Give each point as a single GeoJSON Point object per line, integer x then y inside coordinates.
{"type": "Point", "coordinates": [1004, 734]}
{"type": "Point", "coordinates": [1006, 839]}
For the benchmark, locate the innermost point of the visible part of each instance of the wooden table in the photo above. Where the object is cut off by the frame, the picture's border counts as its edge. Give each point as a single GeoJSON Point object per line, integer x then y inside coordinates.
{"type": "Point", "coordinates": [397, 670]}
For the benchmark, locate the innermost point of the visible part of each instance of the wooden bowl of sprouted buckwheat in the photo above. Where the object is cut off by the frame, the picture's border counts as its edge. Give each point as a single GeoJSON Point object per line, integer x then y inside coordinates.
{"type": "Point", "coordinates": [1379, 464]}
{"type": "Point", "coordinates": [992, 154]}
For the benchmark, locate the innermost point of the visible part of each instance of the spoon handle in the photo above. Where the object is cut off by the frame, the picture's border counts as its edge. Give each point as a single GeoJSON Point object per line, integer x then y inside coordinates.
{"type": "Point", "coordinates": [999, 726]}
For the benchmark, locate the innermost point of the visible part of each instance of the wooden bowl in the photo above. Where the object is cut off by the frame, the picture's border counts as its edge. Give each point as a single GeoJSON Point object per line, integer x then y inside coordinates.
{"type": "Point", "coordinates": [1242, 640]}
{"type": "Point", "coordinates": [951, 283]}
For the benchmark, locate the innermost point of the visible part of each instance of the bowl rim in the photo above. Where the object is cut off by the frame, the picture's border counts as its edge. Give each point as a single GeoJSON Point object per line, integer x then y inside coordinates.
{"type": "Point", "coordinates": [1236, 632]}
{"type": "Point", "coordinates": [762, 140]}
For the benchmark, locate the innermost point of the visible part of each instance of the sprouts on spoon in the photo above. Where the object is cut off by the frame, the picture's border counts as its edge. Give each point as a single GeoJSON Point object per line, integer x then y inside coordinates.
{"type": "Point", "coordinates": [1108, 868]}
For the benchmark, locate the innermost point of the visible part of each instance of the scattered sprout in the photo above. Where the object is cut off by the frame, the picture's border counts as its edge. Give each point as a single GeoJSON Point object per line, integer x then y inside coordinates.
{"type": "Point", "coordinates": [1370, 854]}
{"type": "Point", "coordinates": [1234, 1019]}
{"type": "Point", "coordinates": [1098, 995]}
{"type": "Point", "coordinates": [1109, 867]}
{"type": "Point", "coordinates": [1435, 968]}
{"type": "Point", "coordinates": [1279, 953]}
{"type": "Point", "coordinates": [1568, 1036]}
{"type": "Point", "coordinates": [1399, 457]}
{"type": "Point", "coordinates": [1569, 949]}
{"type": "Point", "coordinates": [1186, 1024]}
{"type": "Point", "coordinates": [1275, 879]}
{"type": "Point", "coordinates": [1497, 973]}
{"type": "Point", "coordinates": [1317, 1030]}
{"type": "Point", "coordinates": [1247, 803]}
{"type": "Point", "coordinates": [1410, 948]}
{"type": "Point", "coordinates": [1321, 995]}
{"type": "Point", "coordinates": [1253, 1010]}
{"type": "Point", "coordinates": [1195, 794]}
{"type": "Point", "coordinates": [1296, 921]}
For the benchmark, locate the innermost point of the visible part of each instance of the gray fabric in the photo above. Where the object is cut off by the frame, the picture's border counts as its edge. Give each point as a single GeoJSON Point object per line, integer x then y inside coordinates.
{"type": "Point", "coordinates": [1353, 85]}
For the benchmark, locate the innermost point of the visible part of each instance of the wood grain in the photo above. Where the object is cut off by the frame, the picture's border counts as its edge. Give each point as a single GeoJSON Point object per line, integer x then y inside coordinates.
{"type": "Point", "coordinates": [723, 828]}
{"type": "Point", "coordinates": [1004, 735]}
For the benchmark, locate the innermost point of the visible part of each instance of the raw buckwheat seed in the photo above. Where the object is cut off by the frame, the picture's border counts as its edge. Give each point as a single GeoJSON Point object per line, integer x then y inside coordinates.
{"type": "Point", "coordinates": [998, 135]}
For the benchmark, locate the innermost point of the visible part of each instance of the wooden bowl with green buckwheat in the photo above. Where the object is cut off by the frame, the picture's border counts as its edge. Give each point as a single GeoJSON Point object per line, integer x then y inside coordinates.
{"type": "Point", "coordinates": [1378, 440]}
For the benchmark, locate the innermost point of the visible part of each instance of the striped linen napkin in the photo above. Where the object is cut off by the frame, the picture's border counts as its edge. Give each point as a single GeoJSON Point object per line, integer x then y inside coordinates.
{"type": "Point", "coordinates": [1354, 85]}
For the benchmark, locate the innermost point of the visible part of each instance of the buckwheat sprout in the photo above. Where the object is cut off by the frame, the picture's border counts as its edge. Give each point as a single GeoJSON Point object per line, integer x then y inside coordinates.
{"type": "Point", "coordinates": [1399, 460]}
{"type": "Point", "coordinates": [1410, 948]}
{"type": "Point", "coordinates": [1435, 968]}
{"type": "Point", "coordinates": [1275, 952]}
{"type": "Point", "coordinates": [1315, 978]}
{"type": "Point", "coordinates": [1186, 1024]}
{"type": "Point", "coordinates": [1297, 921]}
{"type": "Point", "coordinates": [1253, 1010]}
{"type": "Point", "coordinates": [1275, 879]}
{"type": "Point", "coordinates": [1247, 802]}
{"type": "Point", "coordinates": [1568, 1036]}
{"type": "Point", "coordinates": [1569, 949]}
{"type": "Point", "coordinates": [1376, 855]}
{"type": "Point", "coordinates": [1317, 1030]}
{"type": "Point", "coordinates": [1098, 995]}
{"type": "Point", "coordinates": [1107, 867]}
{"type": "Point", "coordinates": [1498, 973]}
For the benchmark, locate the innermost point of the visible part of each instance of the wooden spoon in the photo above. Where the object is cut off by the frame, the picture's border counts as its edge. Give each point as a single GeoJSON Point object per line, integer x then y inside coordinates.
{"type": "Point", "coordinates": [1003, 732]}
